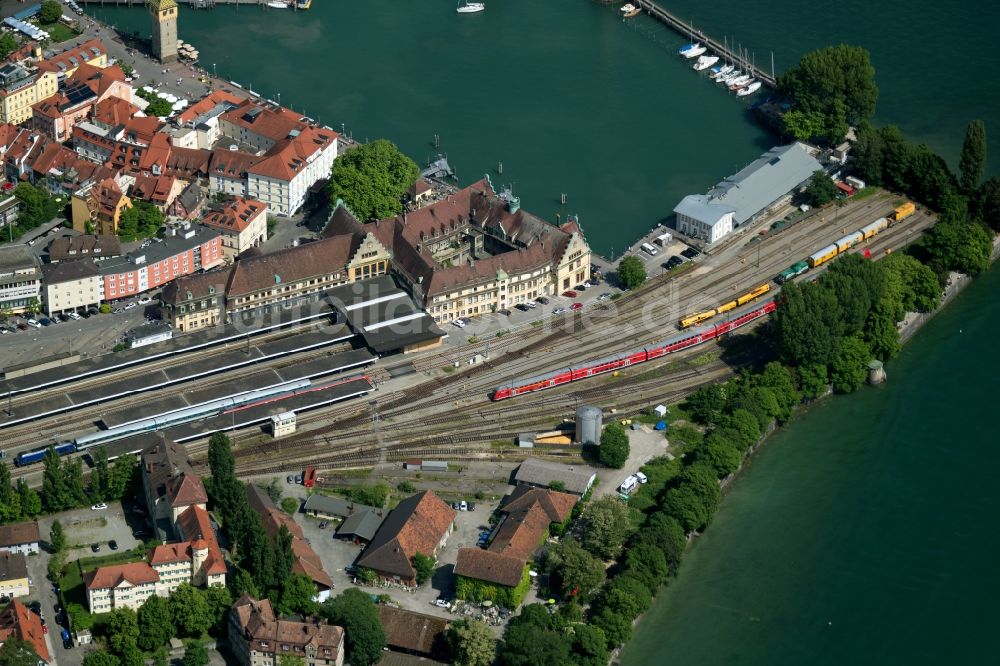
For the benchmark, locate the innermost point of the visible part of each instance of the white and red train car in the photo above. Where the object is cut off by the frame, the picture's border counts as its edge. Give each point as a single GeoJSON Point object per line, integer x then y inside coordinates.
{"type": "Point", "coordinates": [677, 343]}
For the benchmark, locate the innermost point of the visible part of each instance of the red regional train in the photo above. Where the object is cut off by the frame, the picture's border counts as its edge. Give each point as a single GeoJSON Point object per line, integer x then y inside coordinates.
{"type": "Point", "coordinates": [677, 343]}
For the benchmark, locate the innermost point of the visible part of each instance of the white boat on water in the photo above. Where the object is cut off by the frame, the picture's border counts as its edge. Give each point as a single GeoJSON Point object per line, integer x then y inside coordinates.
{"type": "Point", "coordinates": [277, 4]}
{"type": "Point", "coordinates": [683, 51]}
{"type": "Point", "coordinates": [471, 7]}
{"type": "Point", "coordinates": [723, 72]}
{"type": "Point", "coordinates": [740, 82]}
{"type": "Point", "coordinates": [695, 52]}
{"type": "Point", "coordinates": [705, 62]}
{"type": "Point", "coordinates": [629, 10]}
{"type": "Point", "coordinates": [750, 89]}
{"type": "Point", "coordinates": [730, 77]}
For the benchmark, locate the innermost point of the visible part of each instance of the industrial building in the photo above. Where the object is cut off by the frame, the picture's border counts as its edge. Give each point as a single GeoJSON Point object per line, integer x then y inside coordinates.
{"type": "Point", "coordinates": [744, 196]}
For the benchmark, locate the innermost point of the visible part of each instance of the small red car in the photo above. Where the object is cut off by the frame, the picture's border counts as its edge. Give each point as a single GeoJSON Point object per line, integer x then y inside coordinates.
{"type": "Point", "coordinates": [569, 294]}
{"type": "Point", "coordinates": [576, 306]}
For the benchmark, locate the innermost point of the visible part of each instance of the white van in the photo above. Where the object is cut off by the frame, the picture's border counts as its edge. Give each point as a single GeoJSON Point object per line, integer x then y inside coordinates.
{"type": "Point", "coordinates": [73, 315]}
{"type": "Point", "coordinates": [628, 485]}
{"type": "Point", "coordinates": [649, 249]}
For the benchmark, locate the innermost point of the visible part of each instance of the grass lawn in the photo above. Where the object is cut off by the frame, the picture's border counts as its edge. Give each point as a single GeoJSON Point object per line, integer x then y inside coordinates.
{"type": "Point", "coordinates": [59, 32]}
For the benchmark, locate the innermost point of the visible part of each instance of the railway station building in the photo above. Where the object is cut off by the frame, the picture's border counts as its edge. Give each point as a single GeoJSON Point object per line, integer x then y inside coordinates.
{"type": "Point", "coordinates": [475, 251]}
{"type": "Point", "coordinates": [742, 198]}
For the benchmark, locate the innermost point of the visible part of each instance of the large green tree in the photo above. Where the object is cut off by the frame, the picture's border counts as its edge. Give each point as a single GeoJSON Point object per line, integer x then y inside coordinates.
{"type": "Point", "coordinates": [605, 526]}
{"type": "Point", "coordinates": [850, 365]}
{"type": "Point", "coordinates": [353, 610]}
{"type": "Point", "coordinates": [721, 453]}
{"type": "Point", "coordinates": [190, 611]}
{"type": "Point", "coordinates": [55, 489]}
{"type": "Point", "coordinates": [424, 566]}
{"type": "Point", "coordinates": [219, 599]}
{"type": "Point", "coordinates": [575, 572]}
{"type": "Point", "coordinates": [821, 189]}
{"type": "Point", "coordinates": [617, 628]}
{"type": "Point", "coordinates": [972, 163]}
{"type": "Point", "coordinates": [8, 44]}
{"type": "Point", "coordinates": [50, 12]}
{"type": "Point", "coordinates": [17, 652]}
{"type": "Point", "coordinates": [122, 630]}
{"type": "Point", "coordinates": [31, 502]}
{"type": "Point", "coordinates": [804, 125]}
{"type": "Point", "coordinates": [296, 596]}
{"type": "Point", "coordinates": [156, 625]}
{"type": "Point", "coordinates": [837, 82]}
{"type": "Point", "coordinates": [57, 538]}
{"type": "Point", "coordinates": [665, 533]}
{"type": "Point", "coordinates": [527, 644]}
{"type": "Point", "coordinates": [10, 501]}
{"type": "Point", "coordinates": [471, 643]}
{"type": "Point", "coordinates": [372, 179]}
{"type": "Point", "coordinates": [614, 448]}
{"type": "Point", "coordinates": [195, 654]}
{"type": "Point", "coordinates": [99, 658]}
{"type": "Point", "coordinates": [590, 646]}
{"type": "Point", "coordinates": [695, 498]}
{"type": "Point", "coordinates": [985, 204]}
{"type": "Point", "coordinates": [631, 272]}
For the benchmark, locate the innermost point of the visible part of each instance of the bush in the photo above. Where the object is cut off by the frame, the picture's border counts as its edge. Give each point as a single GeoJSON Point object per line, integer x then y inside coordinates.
{"type": "Point", "coordinates": [631, 272]}
{"type": "Point", "coordinates": [290, 505]}
{"type": "Point", "coordinates": [614, 448]}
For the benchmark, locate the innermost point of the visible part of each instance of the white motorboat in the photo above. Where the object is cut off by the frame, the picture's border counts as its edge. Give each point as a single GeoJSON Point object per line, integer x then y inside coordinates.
{"type": "Point", "coordinates": [753, 87]}
{"type": "Point", "coordinates": [471, 7]}
{"type": "Point", "coordinates": [705, 62]}
{"type": "Point", "coordinates": [695, 52]}
{"type": "Point", "coordinates": [688, 47]}
{"type": "Point", "coordinates": [629, 10]}
{"type": "Point", "coordinates": [740, 82]}
{"type": "Point", "coordinates": [723, 72]}
{"type": "Point", "coordinates": [730, 77]}
{"type": "Point", "coordinates": [277, 4]}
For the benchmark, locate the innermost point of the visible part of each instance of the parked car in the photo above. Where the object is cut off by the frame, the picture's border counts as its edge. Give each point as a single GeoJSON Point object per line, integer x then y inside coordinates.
{"type": "Point", "coordinates": [44, 321]}
{"type": "Point", "coordinates": [62, 317]}
{"type": "Point", "coordinates": [322, 524]}
{"type": "Point", "coordinates": [460, 323]}
{"type": "Point", "coordinates": [35, 607]}
{"type": "Point", "coordinates": [455, 506]}
{"type": "Point", "coordinates": [543, 300]}
{"type": "Point", "coordinates": [145, 300]}
{"type": "Point", "coordinates": [118, 311]}
{"type": "Point", "coordinates": [522, 307]}
{"type": "Point", "coordinates": [289, 479]}
{"type": "Point", "coordinates": [113, 545]}
{"type": "Point", "coordinates": [472, 506]}
{"type": "Point", "coordinates": [605, 296]}
{"type": "Point", "coordinates": [99, 507]}
{"type": "Point", "coordinates": [298, 479]}
{"type": "Point", "coordinates": [576, 306]}
{"type": "Point", "coordinates": [505, 312]}
{"type": "Point", "coordinates": [583, 286]}
{"type": "Point", "coordinates": [641, 477]}
{"type": "Point", "coordinates": [531, 304]}
{"type": "Point", "coordinates": [462, 506]}
{"type": "Point", "coordinates": [690, 253]}
{"type": "Point", "coordinates": [73, 315]}
{"type": "Point", "coordinates": [95, 548]}
{"type": "Point", "coordinates": [33, 324]}
{"type": "Point", "coordinates": [130, 306]}
{"type": "Point", "coordinates": [569, 294]}
{"type": "Point", "coordinates": [559, 311]}
{"type": "Point", "coordinates": [442, 603]}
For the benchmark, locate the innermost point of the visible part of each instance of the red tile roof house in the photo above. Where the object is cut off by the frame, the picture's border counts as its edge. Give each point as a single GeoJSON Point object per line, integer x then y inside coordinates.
{"type": "Point", "coordinates": [16, 621]}
{"type": "Point", "coordinates": [527, 514]}
{"type": "Point", "coordinates": [419, 524]}
{"type": "Point", "coordinates": [258, 638]}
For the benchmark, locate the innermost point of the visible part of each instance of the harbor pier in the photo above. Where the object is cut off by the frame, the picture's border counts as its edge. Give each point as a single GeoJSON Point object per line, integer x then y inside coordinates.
{"type": "Point", "coordinates": [721, 50]}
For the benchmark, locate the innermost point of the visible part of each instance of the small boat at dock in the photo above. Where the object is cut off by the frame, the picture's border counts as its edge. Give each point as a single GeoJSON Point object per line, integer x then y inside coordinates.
{"type": "Point", "coordinates": [695, 52]}
{"type": "Point", "coordinates": [730, 77]}
{"type": "Point", "coordinates": [629, 10]}
{"type": "Point", "coordinates": [705, 62]}
{"type": "Point", "coordinates": [740, 82]}
{"type": "Point", "coordinates": [750, 89]}
{"type": "Point", "coordinates": [278, 4]}
{"type": "Point", "coordinates": [723, 72]}
{"type": "Point", "coordinates": [471, 7]}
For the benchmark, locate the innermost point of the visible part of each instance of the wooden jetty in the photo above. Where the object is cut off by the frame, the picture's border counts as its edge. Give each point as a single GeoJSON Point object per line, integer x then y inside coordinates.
{"type": "Point", "coordinates": [665, 17]}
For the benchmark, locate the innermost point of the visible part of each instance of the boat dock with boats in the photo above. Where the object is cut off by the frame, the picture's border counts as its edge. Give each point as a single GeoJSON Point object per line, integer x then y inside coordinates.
{"type": "Point", "coordinates": [702, 45]}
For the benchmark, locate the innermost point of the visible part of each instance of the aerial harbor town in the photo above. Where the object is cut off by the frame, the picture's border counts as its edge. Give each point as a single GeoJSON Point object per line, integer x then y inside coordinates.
{"type": "Point", "coordinates": [275, 396]}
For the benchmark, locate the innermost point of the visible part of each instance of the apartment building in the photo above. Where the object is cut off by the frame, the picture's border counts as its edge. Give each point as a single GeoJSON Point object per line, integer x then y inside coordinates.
{"type": "Point", "coordinates": [258, 638]}
{"type": "Point", "coordinates": [71, 285]}
{"type": "Point", "coordinates": [20, 278]}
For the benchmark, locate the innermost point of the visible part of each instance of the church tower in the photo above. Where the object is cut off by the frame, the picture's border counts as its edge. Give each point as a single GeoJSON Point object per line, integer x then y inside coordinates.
{"type": "Point", "coordinates": [163, 14]}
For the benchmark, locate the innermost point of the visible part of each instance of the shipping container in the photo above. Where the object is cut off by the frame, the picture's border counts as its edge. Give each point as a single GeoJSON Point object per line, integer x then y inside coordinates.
{"type": "Point", "coordinates": [875, 227]}
{"type": "Point", "coordinates": [848, 241]}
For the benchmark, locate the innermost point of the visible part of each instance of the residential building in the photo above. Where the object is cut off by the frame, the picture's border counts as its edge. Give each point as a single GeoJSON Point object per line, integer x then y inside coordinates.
{"type": "Point", "coordinates": [410, 632]}
{"type": "Point", "coordinates": [163, 16]}
{"type": "Point", "coordinates": [186, 249]}
{"type": "Point", "coordinates": [190, 202]}
{"type": "Point", "coordinates": [195, 302]}
{"type": "Point", "coordinates": [92, 52]}
{"type": "Point", "coordinates": [16, 621]}
{"type": "Point", "coordinates": [21, 86]}
{"type": "Point", "coordinates": [20, 538]}
{"type": "Point", "coordinates": [9, 210]}
{"type": "Point", "coordinates": [743, 197]}
{"type": "Point", "coordinates": [157, 190]}
{"type": "Point", "coordinates": [418, 524]}
{"type": "Point", "coordinates": [242, 224]}
{"type": "Point", "coordinates": [14, 580]}
{"type": "Point", "coordinates": [20, 278]}
{"type": "Point", "coordinates": [169, 484]}
{"type": "Point", "coordinates": [258, 638]}
{"type": "Point", "coordinates": [475, 252]}
{"type": "Point", "coordinates": [98, 207]}
{"type": "Point", "coordinates": [71, 286]}
{"type": "Point", "coordinates": [575, 479]}
{"type": "Point", "coordinates": [55, 116]}
{"type": "Point", "coordinates": [84, 246]}
{"type": "Point", "coordinates": [306, 562]}
{"type": "Point", "coordinates": [357, 522]}
{"type": "Point", "coordinates": [196, 560]}
{"type": "Point", "coordinates": [526, 515]}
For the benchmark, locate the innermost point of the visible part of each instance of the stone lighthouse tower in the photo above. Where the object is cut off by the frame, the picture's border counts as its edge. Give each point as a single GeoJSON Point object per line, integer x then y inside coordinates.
{"type": "Point", "coordinates": [163, 14]}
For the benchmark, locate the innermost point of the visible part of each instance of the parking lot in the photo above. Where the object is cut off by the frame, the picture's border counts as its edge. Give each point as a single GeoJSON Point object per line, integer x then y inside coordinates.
{"type": "Point", "coordinates": [84, 528]}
